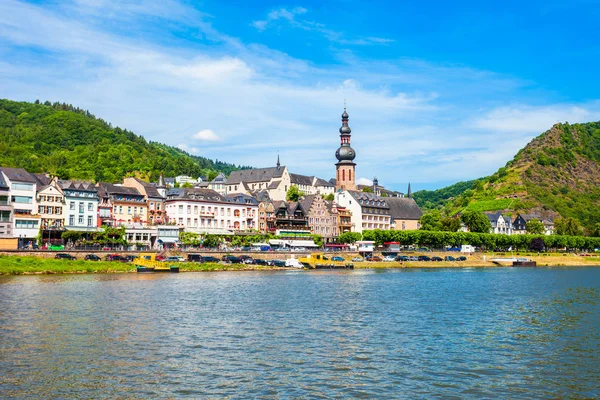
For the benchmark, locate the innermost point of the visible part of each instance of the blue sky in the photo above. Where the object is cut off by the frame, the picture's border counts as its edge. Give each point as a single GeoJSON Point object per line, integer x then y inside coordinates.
{"type": "Point", "coordinates": [437, 92]}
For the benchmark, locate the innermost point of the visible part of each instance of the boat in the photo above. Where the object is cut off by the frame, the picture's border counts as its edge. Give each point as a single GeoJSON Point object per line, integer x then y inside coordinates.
{"type": "Point", "coordinates": [147, 263]}
{"type": "Point", "coordinates": [320, 261]}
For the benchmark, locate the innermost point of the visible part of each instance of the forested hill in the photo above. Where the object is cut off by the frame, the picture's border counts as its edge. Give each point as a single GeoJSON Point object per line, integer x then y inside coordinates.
{"type": "Point", "coordinates": [73, 144]}
{"type": "Point", "coordinates": [556, 175]}
{"type": "Point", "coordinates": [437, 199]}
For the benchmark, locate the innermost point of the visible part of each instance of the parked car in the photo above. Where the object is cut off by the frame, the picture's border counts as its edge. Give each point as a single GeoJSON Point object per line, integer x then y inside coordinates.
{"type": "Point", "coordinates": [337, 258]}
{"type": "Point", "coordinates": [357, 259]}
{"type": "Point", "coordinates": [174, 259]}
{"type": "Point", "coordinates": [449, 258]}
{"type": "Point", "coordinates": [461, 258]}
{"type": "Point", "coordinates": [389, 258]}
{"type": "Point", "coordinates": [245, 257]}
{"type": "Point", "coordinates": [424, 258]}
{"type": "Point", "coordinates": [64, 256]}
{"type": "Point", "coordinates": [115, 257]}
{"type": "Point", "coordinates": [374, 258]}
{"type": "Point", "coordinates": [436, 258]}
{"type": "Point", "coordinates": [91, 257]}
{"type": "Point", "coordinates": [453, 249]}
{"type": "Point", "coordinates": [232, 259]}
{"type": "Point", "coordinates": [402, 258]}
{"type": "Point", "coordinates": [279, 263]}
{"type": "Point", "coordinates": [246, 248]}
{"type": "Point", "coordinates": [194, 258]}
{"type": "Point", "coordinates": [210, 259]}
{"type": "Point", "coordinates": [258, 261]}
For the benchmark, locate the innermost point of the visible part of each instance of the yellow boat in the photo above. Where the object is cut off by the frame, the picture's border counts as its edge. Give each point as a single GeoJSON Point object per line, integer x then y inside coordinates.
{"type": "Point", "coordinates": [147, 262]}
{"type": "Point", "coordinates": [321, 261]}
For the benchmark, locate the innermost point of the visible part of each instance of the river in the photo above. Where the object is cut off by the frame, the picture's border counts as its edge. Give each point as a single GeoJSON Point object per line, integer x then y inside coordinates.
{"type": "Point", "coordinates": [454, 333]}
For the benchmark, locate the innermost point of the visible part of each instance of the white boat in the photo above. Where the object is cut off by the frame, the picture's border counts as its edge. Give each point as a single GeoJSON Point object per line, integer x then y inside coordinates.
{"type": "Point", "coordinates": [293, 263]}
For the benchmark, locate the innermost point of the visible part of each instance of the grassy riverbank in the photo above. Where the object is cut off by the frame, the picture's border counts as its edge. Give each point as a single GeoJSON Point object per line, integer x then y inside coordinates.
{"type": "Point", "coordinates": [25, 265]}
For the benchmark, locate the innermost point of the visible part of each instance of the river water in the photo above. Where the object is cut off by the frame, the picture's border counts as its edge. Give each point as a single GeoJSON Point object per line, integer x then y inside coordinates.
{"type": "Point", "coordinates": [462, 333]}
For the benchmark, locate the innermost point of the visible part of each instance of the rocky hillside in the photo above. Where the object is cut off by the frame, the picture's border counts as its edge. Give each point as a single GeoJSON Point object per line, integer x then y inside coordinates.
{"type": "Point", "coordinates": [556, 174]}
{"type": "Point", "coordinates": [73, 144]}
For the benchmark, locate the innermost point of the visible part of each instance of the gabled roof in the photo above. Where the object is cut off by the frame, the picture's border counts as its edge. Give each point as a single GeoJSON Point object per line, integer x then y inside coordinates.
{"type": "Point", "coordinates": [370, 200]}
{"type": "Point", "coordinates": [77, 185]}
{"type": "Point", "coordinates": [493, 217]}
{"type": "Point", "coordinates": [42, 179]}
{"type": "Point", "coordinates": [18, 175]}
{"type": "Point", "coordinates": [297, 179]}
{"type": "Point", "coordinates": [240, 198]}
{"type": "Point", "coordinates": [255, 175]}
{"type": "Point", "coordinates": [115, 189]}
{"type": "Point", "coordinates": [3, 184]}
{"type": "Point", "coordinates": [151, 190]}
{"type": "Point", "coordinates": [403, 208]}
{"type": "Point", "coordinates": [203, 185]}
{"type": "Point", "coordinates": [219, 178]}
{"type": "Point", "coordinates": [195, 194]}
{"type": "Point", "coordinates": [307, 201]}
{"type": "Point", "coordinates": [274, 185]}
{"type": "Point", "coordinates": [324, 183]}
{"type": "Point", "coordinates": [261, 195]}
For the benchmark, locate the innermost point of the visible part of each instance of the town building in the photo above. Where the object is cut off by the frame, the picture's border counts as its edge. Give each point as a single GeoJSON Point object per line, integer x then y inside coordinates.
{"type": "Point", "coordinates": [322, 216]}
{"type": "Point", "coordinates": [129, 205]}
{"type": "Point", "coordinates": [105, 208]}
{"type": "Point", "coordinates": [6, 210]}
{"type": "Point", "coordinates": [218, 184]}
{"type": "Point", "coordinates": [80, 211]}
{"type": "Point", "coordinates": [206, 211]}
{"type": "Point", "coordinates": [404, 213]}
{"type": "Point", "coordinates": [344, 220]}
{"type": "Point", "coordinates": [140, 236]}
{"type": "Point", "coordinates": [501, 224]}
{"type": "Point", "coordinates": [310, 185]}
{"type": "Point", "coordinates": [22, 188]}
{"type": "Point", "coordinates": [274, 180]}
{"type": "Point", "coordinates": [51, 202]}
{"type": "Point", "coordinates": [368, 210]}
{"type": "Point", "coordinates": [154, 200]}
{"type": "Point", "coordinates": [266, 217]}
{"type": "Point", "coordinates": [290, 219]}
{"type": "Point", "coordinates": [520, 223]}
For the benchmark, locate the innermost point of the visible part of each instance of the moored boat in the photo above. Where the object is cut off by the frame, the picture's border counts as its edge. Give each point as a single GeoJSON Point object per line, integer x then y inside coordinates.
{"type": "Point", "coordinates": [147, 263]}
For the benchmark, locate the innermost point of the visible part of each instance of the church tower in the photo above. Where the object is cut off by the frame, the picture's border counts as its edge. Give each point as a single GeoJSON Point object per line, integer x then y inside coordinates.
{"type": "Point", "coordinates": [344, 178]}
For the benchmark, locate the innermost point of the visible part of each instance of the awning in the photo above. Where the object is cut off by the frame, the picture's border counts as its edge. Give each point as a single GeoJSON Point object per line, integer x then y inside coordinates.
{"type": "Point", "coordinates": [168, 240]}
{"type": "Point", "coordinates": [293, 243]}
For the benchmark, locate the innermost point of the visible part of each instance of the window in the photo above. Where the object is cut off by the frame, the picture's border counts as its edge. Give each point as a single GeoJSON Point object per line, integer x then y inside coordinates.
{"type": "Point", "coordinates": [81, 207]}
{"type": "Point", "coordinates": [90, 207]}
{"type": "Point", "coordinates": [90, 221]}
{"type": "Point", "coordinates": [80, 220]}
{"type": "Point", "coordinates": [189, 209]}
{"type": "Point", "coordinates": [22, 199]}
{"type": "Point", "coordinates": [28, 187]}
{"type": "Point", "coordinates": [120, 209]}
{"type": "Point", "coordinates": [195, 209]}
{"type": "Point", "coordinates": [4, 216]}
{"type": "Point", "coordinates": [129, 210]}
{"type": "Point", "coordinates": [25, 224]}
{"type": "Point", "coordinates": [71, 220]}
{"type": "Point", "coordinates": [42, 209]}
{"type": "Point", "coordinates": [181, 209]}
{"type": "Point", "coordinates": [72, 205]}
{"type": "Point", "coordinates": [158, 206]}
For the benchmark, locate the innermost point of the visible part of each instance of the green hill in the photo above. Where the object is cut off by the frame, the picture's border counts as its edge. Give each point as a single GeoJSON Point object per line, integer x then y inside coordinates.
{"type": "Point", "coordinates": [556, 174]}
{"type": "Point", "coordinates": [73, 144]}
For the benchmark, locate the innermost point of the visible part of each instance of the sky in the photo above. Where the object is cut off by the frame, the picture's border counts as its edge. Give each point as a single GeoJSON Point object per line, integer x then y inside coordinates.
{"type": "Point", "coordinates": [437, 92]}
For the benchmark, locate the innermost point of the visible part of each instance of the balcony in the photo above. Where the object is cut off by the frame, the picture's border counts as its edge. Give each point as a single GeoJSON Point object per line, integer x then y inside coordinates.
{"type": "Point", "coordinates": [207, 214]}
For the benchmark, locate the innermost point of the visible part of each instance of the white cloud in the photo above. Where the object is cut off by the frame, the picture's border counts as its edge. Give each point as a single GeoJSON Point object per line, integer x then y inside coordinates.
{"type": "Point", "coordinates": [364, 181]}
{"type": "Point", "coordinates": [527, 119]}
{"type": "Point", "coordinates": [206, 135]}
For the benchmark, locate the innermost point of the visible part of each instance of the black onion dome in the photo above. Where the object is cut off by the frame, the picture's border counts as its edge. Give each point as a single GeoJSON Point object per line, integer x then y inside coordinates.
{"type": "Point", "coordinates": [345, 153]}
{"type": "Point", "coordinates": [345, 114]}
{"type": "Point", "coordinates": [345, 129]}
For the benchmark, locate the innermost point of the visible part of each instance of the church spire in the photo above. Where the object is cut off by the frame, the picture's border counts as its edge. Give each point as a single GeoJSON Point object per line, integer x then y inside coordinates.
{"type": "Point", "coordinates": [409, 194]}
{"type": "Point", "coordinates": [278, 163]}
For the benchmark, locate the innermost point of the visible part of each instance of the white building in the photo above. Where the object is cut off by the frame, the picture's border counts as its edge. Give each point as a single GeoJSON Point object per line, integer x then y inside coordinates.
{"type": "Point", "coordinates": [501, 224]}
{"type": "Point", "coordinates": [368, 210]}
{"type": "Point", "coordinates": [22, 191]}
{"type": "Point", "coordinates": [206, 211]}
{"type": "Point", "coordinates": [81, 205]}
{"type": "Point", "coordinates": [274, 180]}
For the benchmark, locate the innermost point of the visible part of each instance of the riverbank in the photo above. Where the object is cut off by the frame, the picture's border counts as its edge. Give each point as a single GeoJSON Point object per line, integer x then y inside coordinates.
{"type": "Point", "coordinates": [29, 265]}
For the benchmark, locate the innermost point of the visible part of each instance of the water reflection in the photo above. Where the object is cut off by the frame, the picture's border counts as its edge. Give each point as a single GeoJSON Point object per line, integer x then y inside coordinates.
{"type": "Point", "coordinates": [509, 333]}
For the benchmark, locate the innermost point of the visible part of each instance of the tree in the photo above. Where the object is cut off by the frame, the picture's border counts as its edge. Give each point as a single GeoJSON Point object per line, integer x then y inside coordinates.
{"type": "Point", "coordinates": [450, 224]}
{"type": "Point", "coordinates": [318, 239]}
{"type": "Point", "coordinates": [186, 185]}
{"type": "Point", "coordinates": [476, 221]}
{"type": "Point", "coordinates": [329, 197]}
{"type": "Point", "coordinates": [349, 237]}
{"type": "Point", "coordinates": [293, 193]}
{"type": "Point", "coordinates": [537, 244]}
{"type": "Point", "coordinates": [211, 241]}
{"type": "Point", "coordinates": [568, 227]}
{"type": "Point", "coordinates": [535, 227]}
{"type": "Point", "coordinates": [431, 221]}
{"type": "Point", "coordinates": [367, 189]}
